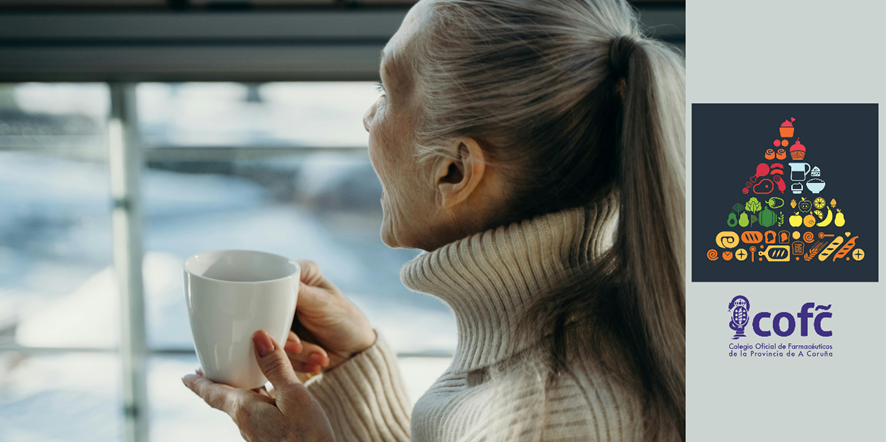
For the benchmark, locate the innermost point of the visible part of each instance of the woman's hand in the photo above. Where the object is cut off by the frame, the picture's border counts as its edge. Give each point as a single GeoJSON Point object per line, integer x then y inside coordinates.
{"type": "Point", "coordinates": [328, 327]}
{"type": "Point", "coordinates": [293, 415]}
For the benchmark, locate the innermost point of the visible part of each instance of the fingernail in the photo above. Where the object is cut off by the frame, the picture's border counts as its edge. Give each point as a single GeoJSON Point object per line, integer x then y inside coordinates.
{"type": "Point", "coordinates": [316, 358]}
{"type": "Point", "coordinates": [262, 343]}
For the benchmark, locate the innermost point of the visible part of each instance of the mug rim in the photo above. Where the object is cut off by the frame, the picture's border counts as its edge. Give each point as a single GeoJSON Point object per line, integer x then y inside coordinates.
{"type": "Point", "coordinates": [194, 256]}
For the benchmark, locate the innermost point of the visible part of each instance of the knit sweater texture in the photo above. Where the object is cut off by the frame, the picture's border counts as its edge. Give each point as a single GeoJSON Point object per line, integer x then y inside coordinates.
{"type": "Point", "coordinates": [486, 279]}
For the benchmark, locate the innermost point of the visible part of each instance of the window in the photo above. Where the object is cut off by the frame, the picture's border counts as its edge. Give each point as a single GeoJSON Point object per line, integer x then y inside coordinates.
{"type": "Point", "coordinates": [277, 167]}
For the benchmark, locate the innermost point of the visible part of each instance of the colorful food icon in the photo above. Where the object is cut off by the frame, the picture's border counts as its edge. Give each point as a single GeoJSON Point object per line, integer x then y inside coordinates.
{"type": "Point", "coordinates": [727, 240]}
{"type": "Point", "coordinates": [797, 248]}
{"type": "Point", "coordinates": [781, 154]}
{"type": "Point", "coordinates": [762, 170]}
{"type": "Point", "coordinates": [787, 128]}
{"type": "Point", "coordinates": [827, 219]}
{"type": "Point", "coordinates": [752, 237]}
{"type": "Point", "coordinates": [770, 154]}
{"type": "Point", "coordinates": [779, 182]}
{"type": "Point", "coordinates": [767, 217]}
{"type": "Point", "coordinates": [814, 250]}
{"type": "Point", "coordinates": [819, 203]}
{"type": "Point", "coordinates": [764, 187]}
{"type": "Point", "coordinates": [839, 220]}
{"type": "Point", "coordinates": [770, 237]}
{"type": "Point", "coordinates": [796, 220]}
{"type": "Point", "coordinates": [815, 171]}
{"type": "Point", "coordinates": [775, 202]}
{"type": "Point", "coordinates": [804, 205]}
{"type": "Point", "coordinates": [815, 185]}
{"type": "Point", "coordinates": [712, 255]}
{"type": "Point", "coordinates": [798, 151]}
{"type": "Point", "coordinates": [845, 249]}
{"type": "Point", "coordinates": [809, 220]}
{"type": "Point", "coordinates": [776, 254]}
{"type": "Point", "coordinates": [727, 255]}
{"type": "Point", "coordinates": [784, 143]}
{"type": "Point", "coordinates": [741, 254]}
{"type": "Point", "coordinates": [784, 237]}
{"type": "Point", "coordinates": [809, 237]}
{"type": "Point", "coordinates": [799, 171]}
{"type": "Point", "coordinates": [858, 254]}
{"type": "Point", "coordinates": [831, 248]}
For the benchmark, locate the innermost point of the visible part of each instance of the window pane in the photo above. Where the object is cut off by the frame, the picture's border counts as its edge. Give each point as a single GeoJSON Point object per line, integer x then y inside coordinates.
{"type": "Point", "coordinates": [65, 117]}
{"type": "Point", "coordinates": [66, 397]}
{"type": "Point", "coordinates": [57, 286]}
{"type": "Point", "coordinates": [324, 114]}
{"type": "Point", "coordinates": [322, 207]}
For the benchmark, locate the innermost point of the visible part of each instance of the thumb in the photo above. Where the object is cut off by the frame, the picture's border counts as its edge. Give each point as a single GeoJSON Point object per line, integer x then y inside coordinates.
{"type": "Point", "coordinates": [274, 363]}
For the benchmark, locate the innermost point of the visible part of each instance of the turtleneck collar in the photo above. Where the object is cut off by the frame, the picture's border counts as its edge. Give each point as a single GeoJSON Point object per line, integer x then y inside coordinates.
{"type": "Point", "coordinates": [486, 278]}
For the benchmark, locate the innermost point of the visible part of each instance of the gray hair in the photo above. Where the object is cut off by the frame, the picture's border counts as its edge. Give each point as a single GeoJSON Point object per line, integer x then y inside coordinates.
{"type": "Point", "coordinates": [577, 106]}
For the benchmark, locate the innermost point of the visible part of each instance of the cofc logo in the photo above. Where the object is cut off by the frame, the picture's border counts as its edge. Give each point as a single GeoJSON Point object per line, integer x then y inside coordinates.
{"type": "Point", "coordinates": [782, 324]}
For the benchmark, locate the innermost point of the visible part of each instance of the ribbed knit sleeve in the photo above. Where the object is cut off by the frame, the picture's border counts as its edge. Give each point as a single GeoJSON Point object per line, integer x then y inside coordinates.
{"type": "Point", "coordinates": [364, 397]}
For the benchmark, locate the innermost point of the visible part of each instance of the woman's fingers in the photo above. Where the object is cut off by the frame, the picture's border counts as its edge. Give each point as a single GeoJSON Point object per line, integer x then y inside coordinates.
{"type": "Point", "coordinates": [293, 343]}
{"type": "Point", "coordinates": [220, 396]}
{"type": "Point", "coordinates": [305, 353]}
{"type": "Point", "coordinates": [262, 391]}
{"type": "Point", "coordinates": [312, 276]}
{"type": "Point", "coordinates": [291, 394]}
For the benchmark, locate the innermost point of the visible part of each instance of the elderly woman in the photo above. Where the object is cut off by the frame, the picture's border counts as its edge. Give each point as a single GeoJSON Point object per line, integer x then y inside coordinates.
{"type": "Point", "coordinates": [534, 151]}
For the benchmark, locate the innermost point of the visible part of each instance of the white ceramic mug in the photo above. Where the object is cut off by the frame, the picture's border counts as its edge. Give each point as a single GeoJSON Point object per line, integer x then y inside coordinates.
{"type": "Point", "coordinates": [231, 294]}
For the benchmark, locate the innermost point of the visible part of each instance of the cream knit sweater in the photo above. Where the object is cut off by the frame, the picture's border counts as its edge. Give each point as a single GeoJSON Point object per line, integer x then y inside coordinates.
{"type": "Point", "coordinates": [485, 278]}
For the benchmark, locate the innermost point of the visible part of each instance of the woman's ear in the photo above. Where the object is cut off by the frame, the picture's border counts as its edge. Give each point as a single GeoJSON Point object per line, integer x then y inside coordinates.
{"type": "Point", "coordinates": [457, 179]}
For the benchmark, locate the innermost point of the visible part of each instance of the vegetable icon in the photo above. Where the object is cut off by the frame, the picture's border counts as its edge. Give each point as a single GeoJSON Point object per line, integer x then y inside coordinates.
{"type": "Point", "coordinates": [768, 218]}
{"type": "Point", "coordinates": [753, 205]}
{"type": "Point", "coordinates": [743, 219]}
{"type": "Point", "coordinates": [732, 221]}
{"type": "Point", "coordinates": [775, 202]}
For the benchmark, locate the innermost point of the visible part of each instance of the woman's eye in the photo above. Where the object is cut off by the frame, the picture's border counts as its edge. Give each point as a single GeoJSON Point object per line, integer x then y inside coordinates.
{"type": "Point", "coordinates": [380, 88]}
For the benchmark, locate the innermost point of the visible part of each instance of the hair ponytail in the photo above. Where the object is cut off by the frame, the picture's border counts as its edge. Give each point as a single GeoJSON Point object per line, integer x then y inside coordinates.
{"type": "Point", "coordinates": [650, 239]}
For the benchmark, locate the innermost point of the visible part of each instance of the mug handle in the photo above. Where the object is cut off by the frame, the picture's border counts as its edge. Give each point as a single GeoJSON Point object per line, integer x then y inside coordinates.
{"type": "Point", "coordinates": [806, 168]}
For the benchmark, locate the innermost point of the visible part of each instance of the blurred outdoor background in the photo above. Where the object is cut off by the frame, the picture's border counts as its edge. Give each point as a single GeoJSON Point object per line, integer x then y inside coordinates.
{"type": "Point", "coordinates": [243, 123]}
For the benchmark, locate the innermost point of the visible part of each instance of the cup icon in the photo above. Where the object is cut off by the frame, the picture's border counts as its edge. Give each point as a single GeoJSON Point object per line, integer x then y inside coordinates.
{"type": "Point", "coordinates": [231, 294]}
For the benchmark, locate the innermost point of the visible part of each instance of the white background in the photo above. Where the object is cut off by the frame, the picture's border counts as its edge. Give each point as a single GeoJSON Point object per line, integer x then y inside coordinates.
{"type": "Point", "coordinates": [779, 51]}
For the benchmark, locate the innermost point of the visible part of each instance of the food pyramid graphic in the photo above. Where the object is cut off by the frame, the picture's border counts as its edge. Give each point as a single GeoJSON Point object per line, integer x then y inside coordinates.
{"type": "Point", "coordinates": [782, 213]}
